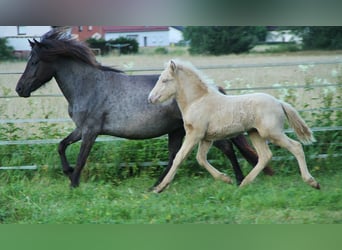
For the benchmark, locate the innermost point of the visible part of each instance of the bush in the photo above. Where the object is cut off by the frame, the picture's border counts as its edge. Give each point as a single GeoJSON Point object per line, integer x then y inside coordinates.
{"type": "Point", "coordinates": [6, 51]}
{"type": "Point", "coordinates": [161, 51]}
{"type": "Point", "coordinates": [107, 46]}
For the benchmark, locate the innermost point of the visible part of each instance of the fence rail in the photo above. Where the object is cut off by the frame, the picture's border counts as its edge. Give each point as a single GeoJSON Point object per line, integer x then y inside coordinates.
{"type": "Point", "coordinates": [212, 67]}
{"type": "Point", "coordinates": [228, 66]}
{"type": "Point", "coordinates": [113, 138]}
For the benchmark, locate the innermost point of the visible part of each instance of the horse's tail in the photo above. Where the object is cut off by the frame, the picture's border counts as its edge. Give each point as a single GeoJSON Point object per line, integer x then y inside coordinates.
{"type": "Point", "coordinates": [302, 130]}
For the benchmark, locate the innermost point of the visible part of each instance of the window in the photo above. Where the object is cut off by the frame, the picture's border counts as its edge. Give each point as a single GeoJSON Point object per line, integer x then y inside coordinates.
{"type": "Point", "coordinates": [80, 28]}
{"type": "Point", "coordinates": [90, 28]}
{"type": "Point", "coordinates": [21, 30]}
{"type": "Point", "coordinates": [132, 37]}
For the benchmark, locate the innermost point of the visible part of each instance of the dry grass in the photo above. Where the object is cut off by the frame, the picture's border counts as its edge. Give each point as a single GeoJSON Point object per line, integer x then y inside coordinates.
{"type": "Point", "coordinates": [53, 107]}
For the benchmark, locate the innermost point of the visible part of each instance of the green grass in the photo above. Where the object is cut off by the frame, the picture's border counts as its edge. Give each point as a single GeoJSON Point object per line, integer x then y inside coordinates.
{"type": "Point", "coordinates": [40, 197]}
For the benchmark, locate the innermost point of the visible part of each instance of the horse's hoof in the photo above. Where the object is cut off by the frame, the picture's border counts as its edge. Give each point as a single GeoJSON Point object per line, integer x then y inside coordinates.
{"type": "Point", "coordinates": [69, 171]}
{"type": "Point", "coordinates": [74, 185]}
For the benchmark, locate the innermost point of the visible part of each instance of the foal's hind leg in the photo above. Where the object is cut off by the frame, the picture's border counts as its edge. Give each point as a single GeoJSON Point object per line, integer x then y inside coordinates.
{"type": "Point", "coordinates": [247, 151]}
{"type": "Point", "coordinates": [297, 150]}
{"type": "Point", "coordinates": [201, 157]}
{"type": "Point", "coordinates": [264, 154]}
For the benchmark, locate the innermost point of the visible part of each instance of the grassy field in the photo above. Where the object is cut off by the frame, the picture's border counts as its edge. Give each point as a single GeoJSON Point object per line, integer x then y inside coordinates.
{"type": "Point", "coordinates": [280, 199]}
{"type": "Point", "coordinates": [110, 195]}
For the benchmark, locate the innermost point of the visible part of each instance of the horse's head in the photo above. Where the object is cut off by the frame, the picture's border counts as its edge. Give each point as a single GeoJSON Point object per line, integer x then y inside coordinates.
{"type": "Point", "coordinates": [165, 87]}
{"type": "Point", "coordinates": [37, 72]}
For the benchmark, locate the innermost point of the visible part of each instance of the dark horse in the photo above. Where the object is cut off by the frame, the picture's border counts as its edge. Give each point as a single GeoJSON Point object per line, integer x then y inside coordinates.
{"type": "Point", "coordinates": [104, 100]}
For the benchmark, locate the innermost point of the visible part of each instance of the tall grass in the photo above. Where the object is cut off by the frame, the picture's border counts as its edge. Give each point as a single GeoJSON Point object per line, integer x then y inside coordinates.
{"type": "Point", "coordinates": [42, 198]}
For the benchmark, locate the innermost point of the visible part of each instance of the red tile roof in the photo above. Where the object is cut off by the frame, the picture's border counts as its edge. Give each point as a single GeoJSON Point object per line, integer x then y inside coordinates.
{"type": "Point", "coordinates": [121, 29]}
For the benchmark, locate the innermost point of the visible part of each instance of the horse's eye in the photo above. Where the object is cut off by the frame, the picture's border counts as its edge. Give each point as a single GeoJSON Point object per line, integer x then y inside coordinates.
{"type": "Point", "coordinates": [165, 80]}
{"type": "Point", "coordinates": [34, 62]}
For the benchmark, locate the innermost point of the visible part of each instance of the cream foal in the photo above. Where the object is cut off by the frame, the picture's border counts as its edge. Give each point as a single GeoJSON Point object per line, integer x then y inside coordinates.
{"type": "Point", "coordinates": [209, 115]}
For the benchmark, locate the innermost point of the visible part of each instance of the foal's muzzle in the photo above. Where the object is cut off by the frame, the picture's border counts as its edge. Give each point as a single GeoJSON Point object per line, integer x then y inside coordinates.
{"type": "Point", "coordinates": [153, 99]}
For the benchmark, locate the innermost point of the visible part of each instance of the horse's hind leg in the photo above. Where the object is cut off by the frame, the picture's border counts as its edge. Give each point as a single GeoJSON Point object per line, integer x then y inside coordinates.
{"type": "Point", "coordinates": [201, 157]}
{"type": "Point", "coordinates": [297, 150]}
{"type": "Point", "coordinates": [226, 146]}
{"type": "Point", "coordinates": [70, 139]}
{"type": "Point", "coordinates": [264, 154]}
{"type": "Point", "coordinates": [247, 151]}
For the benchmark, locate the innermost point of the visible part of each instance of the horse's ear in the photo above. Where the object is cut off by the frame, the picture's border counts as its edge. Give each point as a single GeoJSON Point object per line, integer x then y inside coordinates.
{"type": "Point", "coordinates": [31, 43]}
{"type": "Point", "coordinates": [173, 66]}
{"type": "Point", "coordinates": [39, 44]}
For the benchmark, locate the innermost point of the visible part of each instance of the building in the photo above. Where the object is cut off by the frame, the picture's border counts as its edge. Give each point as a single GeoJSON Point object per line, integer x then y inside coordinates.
{"type": "Point", "coordinates": [283, 36]}
{"type": "Point", "coordinates": [146, 36]}
{"type": "Point", "coordinates": [17, 37]}
{"type": "Point", "coordinates": [83, 33]}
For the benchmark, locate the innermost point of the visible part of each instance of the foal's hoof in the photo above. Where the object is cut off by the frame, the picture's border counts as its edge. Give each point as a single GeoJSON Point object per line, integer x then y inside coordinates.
{"type": "Point", "coordinates": [226, 179]}
{"type": "Point", "coordinates": [158, 189]}
{"type": "Point", "coordinates": [313, 183]}
{"type": "Point", "coordinates": [317, 186]}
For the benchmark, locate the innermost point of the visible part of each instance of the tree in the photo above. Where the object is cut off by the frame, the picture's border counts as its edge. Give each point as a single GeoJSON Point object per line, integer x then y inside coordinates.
{"type": "Point", "coordinates": [217, 40]}
{"type": "Point", "coordinates": [316, 37]}
{"type": "Point", "coordinates": [6, 51]}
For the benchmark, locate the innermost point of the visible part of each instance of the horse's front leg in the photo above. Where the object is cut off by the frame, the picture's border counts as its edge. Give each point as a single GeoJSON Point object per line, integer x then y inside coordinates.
{"type": "Point", "coordinates": [191, 139]}
{"type": "Point", "coordinates": [73, 137]}
{"type": "Point", "coordinates": [88, 140]}
{"type": "Point", "coordinates": [226, 146]}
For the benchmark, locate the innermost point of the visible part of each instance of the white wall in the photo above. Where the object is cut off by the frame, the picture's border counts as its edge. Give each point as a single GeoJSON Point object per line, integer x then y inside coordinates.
{"type": "Point", "coordinates": [282, 36]}
{"type": "Point", "coordinates": [19, 41]}
{"type": "Point", "coordinates": [156, 38]}
{"type": "Point", "coordinates": [175, 35]}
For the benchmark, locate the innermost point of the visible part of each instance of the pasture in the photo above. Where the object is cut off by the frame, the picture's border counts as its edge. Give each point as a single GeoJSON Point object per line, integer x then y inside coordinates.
{"type": "Point", "coordinates": [111, 192]}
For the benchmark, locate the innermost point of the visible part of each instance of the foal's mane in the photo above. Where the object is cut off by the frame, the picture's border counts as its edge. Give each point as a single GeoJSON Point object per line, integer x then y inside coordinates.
{"type": "Point", "coordinates": [57, 42]}
{"type": "Point", "coordinates": [203, 79]}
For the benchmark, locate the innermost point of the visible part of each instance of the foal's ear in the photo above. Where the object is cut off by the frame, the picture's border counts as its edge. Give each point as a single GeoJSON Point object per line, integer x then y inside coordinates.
{"type": "Point", "coordinates": [173, 66]}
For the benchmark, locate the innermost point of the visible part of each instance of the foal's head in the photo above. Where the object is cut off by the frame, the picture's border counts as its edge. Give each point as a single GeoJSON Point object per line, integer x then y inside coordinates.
{"type": "Point", "coordinates": [166, 86]}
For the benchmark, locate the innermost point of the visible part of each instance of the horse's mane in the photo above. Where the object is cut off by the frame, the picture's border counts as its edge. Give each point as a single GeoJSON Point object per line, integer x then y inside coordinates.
{"type": "Point", "coordinates": [58, 42]}
{"type": "Point", "coordinates": [203, 79]}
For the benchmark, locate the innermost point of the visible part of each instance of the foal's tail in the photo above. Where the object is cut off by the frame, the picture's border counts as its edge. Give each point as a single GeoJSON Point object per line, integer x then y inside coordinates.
{"type": "Point", "coordinates": [298, 124]}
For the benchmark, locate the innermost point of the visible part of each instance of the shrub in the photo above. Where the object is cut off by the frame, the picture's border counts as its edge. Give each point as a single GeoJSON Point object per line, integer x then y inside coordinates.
{"type": "Point", "coordinates": [107, 46]}
{"type": "Point", "coordinates": [6, 51]}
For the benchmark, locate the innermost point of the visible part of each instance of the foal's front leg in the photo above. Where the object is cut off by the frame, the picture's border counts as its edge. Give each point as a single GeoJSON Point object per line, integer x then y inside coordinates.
{"type": "Point", "coordinates": [190, 141]}
{"type": "Point", "coordinates": [201, 157]}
